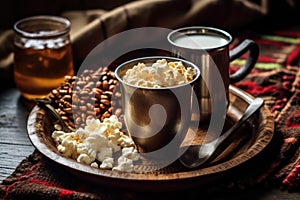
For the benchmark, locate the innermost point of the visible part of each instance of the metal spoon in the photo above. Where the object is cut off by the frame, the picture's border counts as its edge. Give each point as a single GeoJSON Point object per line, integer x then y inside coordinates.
{"type": "Point", "coordinates": [46, 103]}
{"type": "Point", "coordinates": [197, 155]}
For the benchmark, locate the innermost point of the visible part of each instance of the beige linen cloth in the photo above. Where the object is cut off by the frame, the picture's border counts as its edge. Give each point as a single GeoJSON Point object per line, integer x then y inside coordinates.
{"type": "Point", "coordinates": [94, 22]}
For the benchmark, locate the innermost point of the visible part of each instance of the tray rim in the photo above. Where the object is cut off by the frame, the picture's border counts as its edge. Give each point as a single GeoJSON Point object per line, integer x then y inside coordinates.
{"type": "Point", "coordinates": [109, 176]}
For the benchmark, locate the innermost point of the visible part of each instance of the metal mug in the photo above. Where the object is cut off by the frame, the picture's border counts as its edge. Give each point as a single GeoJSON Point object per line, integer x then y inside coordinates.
{"type": "Point", "coordinates": [208, 48]}
{"type": "Point", "coordinates": [157, 119]}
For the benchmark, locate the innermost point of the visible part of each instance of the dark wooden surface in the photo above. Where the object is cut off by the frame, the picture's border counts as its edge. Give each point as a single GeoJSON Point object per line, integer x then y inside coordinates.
{"type": "Point", "coordinates": [14, 142]}
{"type": "Point", "coordinates": [15, 145]}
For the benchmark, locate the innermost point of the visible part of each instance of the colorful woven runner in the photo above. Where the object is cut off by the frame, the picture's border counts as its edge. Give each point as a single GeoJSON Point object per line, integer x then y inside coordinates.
{"type": "Point", "coordinates": [276, 78]}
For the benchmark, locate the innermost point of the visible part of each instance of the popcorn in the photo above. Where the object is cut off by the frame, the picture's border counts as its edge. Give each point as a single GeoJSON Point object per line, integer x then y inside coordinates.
{"type": "Point", "coordinates": [84, 158]}
{"type": "Point", "coordinates": [130, 153]}
{"type": "Point", "coordinates": [104, 153]}
{"type": "Point", "coordinates": [107, 163]}
{"type": "Point", "coordinates": [159, 74]}
{"type": "Point", "coordinates": [124, 164]}
{"type": "Point", "coordinates": [94, 164]}
{"type": "Point", "coordinates": [67, 143]}
{"type": "Point", "coordinates": [98, 141]}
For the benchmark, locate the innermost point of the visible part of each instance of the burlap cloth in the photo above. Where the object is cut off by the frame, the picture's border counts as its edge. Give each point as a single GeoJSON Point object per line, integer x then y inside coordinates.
{"type": "Point", "coordinates": [93, 22]}
{"type": "Point", "coordinates": [276, 78]}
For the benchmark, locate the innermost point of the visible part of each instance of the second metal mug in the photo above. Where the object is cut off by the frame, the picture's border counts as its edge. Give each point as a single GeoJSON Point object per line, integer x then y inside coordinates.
{"type": "Point", "coordinates": [208, 48]}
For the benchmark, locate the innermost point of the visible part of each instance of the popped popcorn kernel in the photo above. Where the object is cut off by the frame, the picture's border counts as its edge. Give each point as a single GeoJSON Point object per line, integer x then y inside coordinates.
{"type": "Point", "coordinates": [98, 141]}
{"type": "Point", "coordinates": [124, 164]}
{"type": "Point", "coordinates": [107, 163]}
{"type": "Point", "coordinates": [95, 165]}
{"type": "Point", "coordinates": [159, 74]}
{"type": "Point", "coordinates": [84, 158]}
{"type": "Point", "coordinates": [104, 153]}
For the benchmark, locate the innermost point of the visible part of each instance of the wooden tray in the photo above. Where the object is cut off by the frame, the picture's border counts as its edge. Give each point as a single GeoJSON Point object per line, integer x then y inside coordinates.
{"type": "Point", "coordinates": [254, 136]}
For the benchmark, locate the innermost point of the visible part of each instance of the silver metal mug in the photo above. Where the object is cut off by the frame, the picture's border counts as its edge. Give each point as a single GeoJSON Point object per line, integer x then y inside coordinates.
{"type": "Point", "coordinates": [157, 119]}
{"type": "Point", "coordinates": [208, 48]}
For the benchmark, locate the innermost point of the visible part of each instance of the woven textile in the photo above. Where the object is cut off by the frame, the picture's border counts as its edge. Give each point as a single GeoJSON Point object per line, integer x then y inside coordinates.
{"type": "Point", "coordinates": [275, 78]}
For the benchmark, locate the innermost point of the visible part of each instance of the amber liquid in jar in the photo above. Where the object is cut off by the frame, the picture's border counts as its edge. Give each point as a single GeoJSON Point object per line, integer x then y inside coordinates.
{"type": "Point", "coordinates": [38, 71]}
{"type": "Point", "coordinates": [41, 64]}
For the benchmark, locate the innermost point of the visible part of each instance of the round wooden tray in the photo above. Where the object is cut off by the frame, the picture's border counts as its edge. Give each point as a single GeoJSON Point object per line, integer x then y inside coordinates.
{"type": "Point", "coordinates": [254, 136]}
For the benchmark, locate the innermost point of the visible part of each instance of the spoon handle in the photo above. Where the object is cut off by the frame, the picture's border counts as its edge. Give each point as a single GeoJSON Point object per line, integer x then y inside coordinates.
{"type": "Point", "coordinates": [45, 103]}
{"type": "Point", "coordinates": [253, 106]}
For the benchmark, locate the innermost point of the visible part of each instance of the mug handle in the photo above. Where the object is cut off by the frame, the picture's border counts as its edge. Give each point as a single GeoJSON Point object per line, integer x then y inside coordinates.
{"type": "Point", "coordinates": [246, 45]}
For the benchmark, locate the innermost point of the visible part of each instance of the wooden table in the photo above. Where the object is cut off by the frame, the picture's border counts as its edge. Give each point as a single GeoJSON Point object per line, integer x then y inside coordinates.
{"type": "Point", "coordinates": [15, 144]}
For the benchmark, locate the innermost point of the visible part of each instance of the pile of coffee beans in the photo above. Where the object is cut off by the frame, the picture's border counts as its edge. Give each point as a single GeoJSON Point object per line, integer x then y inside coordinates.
{"type": "Point", "coordinates": [92, 94]}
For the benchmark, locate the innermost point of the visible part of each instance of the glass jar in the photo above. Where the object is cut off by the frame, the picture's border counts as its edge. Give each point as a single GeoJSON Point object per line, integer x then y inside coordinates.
{"type": "Point", "coordinates": [43, 54]}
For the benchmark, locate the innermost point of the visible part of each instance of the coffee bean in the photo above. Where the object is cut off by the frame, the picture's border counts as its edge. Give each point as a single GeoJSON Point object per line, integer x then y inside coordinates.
{"type": "Point", "coordinates": [67, 97]}
{"type": "Point", "coordinates": [105, 85]}
{"type": "Point", "coordinates": [105, 102]}
{"type": "Point", "coordinates": [92, 94]}
{"type": "Point", "coordinates": [82, 108]}
{"type": "Point", "coordinates": [68, 110]}
{"type": "Point", "coordinates": [111, 88]}
{"type": "Point", "coordinates": [102, 106]}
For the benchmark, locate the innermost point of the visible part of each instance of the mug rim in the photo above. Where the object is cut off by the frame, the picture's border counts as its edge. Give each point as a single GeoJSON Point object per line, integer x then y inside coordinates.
{"type": "Point", "coordinates": [199, 29]}
{"type": "Point", "coordinates": [136, 60]}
